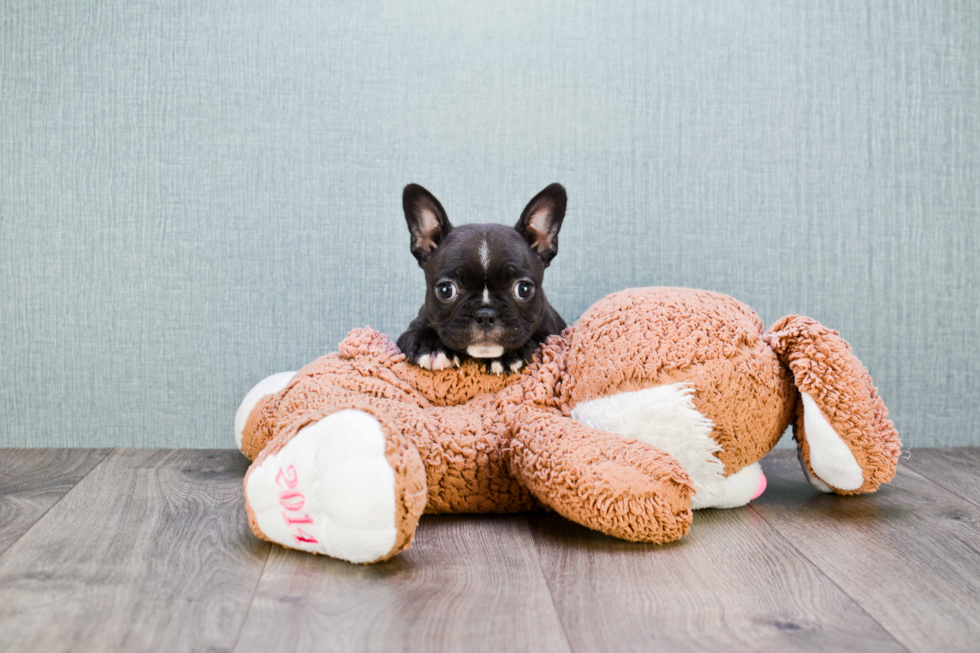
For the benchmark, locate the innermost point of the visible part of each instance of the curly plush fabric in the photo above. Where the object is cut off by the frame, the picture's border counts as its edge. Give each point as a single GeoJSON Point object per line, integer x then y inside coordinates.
{"type": "Point", "coordinates": [825, 368]}
{"type": "Point", "coordinates": [464, 441]}
{"type": "Point", "coordinates": [458, 444]}
{"type": "Point", "coordinates": [647, 337]}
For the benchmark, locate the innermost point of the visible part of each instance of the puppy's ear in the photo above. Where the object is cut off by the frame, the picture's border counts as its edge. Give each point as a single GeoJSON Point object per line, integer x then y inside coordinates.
{"type": "Point", "coordinates": [427, 221]}
{"type": "Point", "coordinates": [541, 221]}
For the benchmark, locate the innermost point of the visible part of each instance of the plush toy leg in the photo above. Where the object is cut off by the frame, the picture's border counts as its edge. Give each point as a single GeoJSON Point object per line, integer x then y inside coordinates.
{"type": "Point", "coordinates": [346, 484]}
{"type": "Point", "coordinates": [619, 486]}
{"type": "Point", "coordinates": [665, 416]}
{"type": "Point", "coordinates": [846, 442]}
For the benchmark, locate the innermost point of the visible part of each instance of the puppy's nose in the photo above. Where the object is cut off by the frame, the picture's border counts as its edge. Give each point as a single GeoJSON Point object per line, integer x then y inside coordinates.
{"type": "Point", "coordinates": [485, 317]}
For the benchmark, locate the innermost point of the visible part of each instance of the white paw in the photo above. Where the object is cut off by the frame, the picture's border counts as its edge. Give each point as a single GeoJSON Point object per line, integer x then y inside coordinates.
{"type": "Point", "coordinates": [437, 362]}
{"type": "Point", "coordinates": [497, 368]}
{"type": "Point", "coordinates": [830, 457]}
{"type": "Point", "coordinates": [516, 366]}
{"type": "Point", "coordinates": [329, 490]}
{"type": "Point", "coordinates": [266, 386]}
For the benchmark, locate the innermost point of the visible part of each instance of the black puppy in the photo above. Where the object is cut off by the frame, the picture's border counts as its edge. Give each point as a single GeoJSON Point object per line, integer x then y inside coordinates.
{"type": "Point", "coordinates": [483, 295]}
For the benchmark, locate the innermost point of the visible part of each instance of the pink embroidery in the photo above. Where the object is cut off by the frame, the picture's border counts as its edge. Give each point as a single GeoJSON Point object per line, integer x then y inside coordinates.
{"type": "Point", "coordinates": [293, 502]}
{"type": "Point", "coordinates": [303, 537]}
{"type": "Point", "coordinates": [287, 476]}
{"type": "Point", "coordinates": [305, 519]}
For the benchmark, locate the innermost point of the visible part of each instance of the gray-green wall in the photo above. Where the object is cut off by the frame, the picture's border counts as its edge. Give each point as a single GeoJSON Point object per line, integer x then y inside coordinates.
{"type": "Point", "coordinates": [196, 194]}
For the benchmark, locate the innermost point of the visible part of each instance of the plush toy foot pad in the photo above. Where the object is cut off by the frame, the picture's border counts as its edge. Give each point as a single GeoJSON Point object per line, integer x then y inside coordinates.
{"type": "Point", "coordinates": [329, 490]}
{"type": "Point", "coordinates": [747, 484]}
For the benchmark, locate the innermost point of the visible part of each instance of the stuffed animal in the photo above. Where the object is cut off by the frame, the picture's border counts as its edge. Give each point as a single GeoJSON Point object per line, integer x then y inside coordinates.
{"type": "Point", "coordinates": [656, 402]}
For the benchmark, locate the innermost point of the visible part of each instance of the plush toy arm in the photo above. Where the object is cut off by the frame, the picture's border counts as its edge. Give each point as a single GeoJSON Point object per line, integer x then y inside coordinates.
{"type": "Point", "coordinates": [616, 485]}
{"type": "Point", "coordinates": [846, 442]}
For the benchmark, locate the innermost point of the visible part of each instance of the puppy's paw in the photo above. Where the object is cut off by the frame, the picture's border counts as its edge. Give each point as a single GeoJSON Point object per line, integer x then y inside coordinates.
{"type": "Point", "coordinates": [509, 363]}
{"type": "Point", "coordinates": [442, 359]}
{"type": "Point", "coordinates": [512, 361]}
{"type": "Point", "coordinates": [427, 351]}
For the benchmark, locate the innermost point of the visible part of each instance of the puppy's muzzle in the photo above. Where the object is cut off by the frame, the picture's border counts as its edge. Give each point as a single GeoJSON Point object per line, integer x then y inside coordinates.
{"type": "Point", "coordinates": [484, 325]}
{"type": "Point", "coordinates": [485, 318]}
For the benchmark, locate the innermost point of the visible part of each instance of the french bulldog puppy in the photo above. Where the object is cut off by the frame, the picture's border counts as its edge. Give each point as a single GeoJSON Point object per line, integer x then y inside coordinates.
{"type": "Point", "coordinates": [483, 295]}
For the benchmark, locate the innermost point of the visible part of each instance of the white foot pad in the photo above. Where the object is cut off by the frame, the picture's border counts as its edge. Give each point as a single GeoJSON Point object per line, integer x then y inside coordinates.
{"type": "Point", "coordinates": [329, 490]}
{"type": "Point", "coordinates": [830, 457]}
{"type": "Point", "coordinates": [266, 386]}
{"type": "Point", "coordinates": [739, 488]}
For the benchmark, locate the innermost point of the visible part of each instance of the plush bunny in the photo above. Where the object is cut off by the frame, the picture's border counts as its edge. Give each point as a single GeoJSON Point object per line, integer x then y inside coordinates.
{"type": "Point", "coordinates": [656, 402]}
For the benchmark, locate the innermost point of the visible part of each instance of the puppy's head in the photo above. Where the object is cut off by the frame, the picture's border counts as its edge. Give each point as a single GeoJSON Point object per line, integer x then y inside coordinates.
{"type": "Point", "coordinates": [483, 281]}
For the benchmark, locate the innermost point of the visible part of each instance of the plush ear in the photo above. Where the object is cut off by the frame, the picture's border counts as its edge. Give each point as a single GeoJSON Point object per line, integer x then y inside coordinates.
{"type": "Point", "coordinates": [846, 443]}
{"type": "Point", "coordinates": [541, 221]}
{"type": "Point", "coordinates": [427, 221]}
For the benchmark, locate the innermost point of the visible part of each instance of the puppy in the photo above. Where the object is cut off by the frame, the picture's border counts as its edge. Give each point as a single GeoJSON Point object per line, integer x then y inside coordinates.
{"type": "Point", "coordinates": [483, 295]}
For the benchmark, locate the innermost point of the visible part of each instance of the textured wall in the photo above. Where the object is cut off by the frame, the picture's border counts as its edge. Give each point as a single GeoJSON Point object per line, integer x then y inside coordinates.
{"type": "Point", "coordinates": [196, 194]}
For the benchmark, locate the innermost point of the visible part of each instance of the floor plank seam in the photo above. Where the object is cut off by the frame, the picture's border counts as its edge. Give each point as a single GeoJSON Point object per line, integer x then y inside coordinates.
{"type": "Point", "coordinates": [40, 517]}
{"type": "Point", "coordinates": [803, 554]}
{"type": "Point", "coordinates": [551, 594]}
{"type": "Point", "coordinates": [251, 599]}
{"type": "Point", "coordinates": [956, 494]}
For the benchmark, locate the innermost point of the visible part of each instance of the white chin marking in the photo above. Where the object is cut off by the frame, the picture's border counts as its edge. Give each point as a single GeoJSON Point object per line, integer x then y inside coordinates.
{"type": "Point", "coordinates": [266, 386]}
{"type": "Point", "coordinates": [665, 417]}
{"type": "Point", "coordinates": [830, 457]}
{"type": "Point", "coordinates": [329, 490]}
{"type": "Point", "coordinates": [485, 351]}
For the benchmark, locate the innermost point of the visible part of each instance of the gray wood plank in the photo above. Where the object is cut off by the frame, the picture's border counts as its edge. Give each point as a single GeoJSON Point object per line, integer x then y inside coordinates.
{"type": "Point", "coordinates": [908, 554]}
{"type": "Point", "coordinates": [731, 584]}
{"type": "Point", "coordinates": [149, 552]}
{"type": "Point", "coordinates": [33, 480]}
{"type": "Point", "coordinates": [956, 469]}
{"type": "Point", "coordinates": [470, 583]}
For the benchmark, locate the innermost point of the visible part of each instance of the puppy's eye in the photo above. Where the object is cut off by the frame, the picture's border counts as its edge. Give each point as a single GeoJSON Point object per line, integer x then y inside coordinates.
{"type": "Point", "coordinates": [445, 290]}
{"type": "Point", "coordinates": [523, 289]}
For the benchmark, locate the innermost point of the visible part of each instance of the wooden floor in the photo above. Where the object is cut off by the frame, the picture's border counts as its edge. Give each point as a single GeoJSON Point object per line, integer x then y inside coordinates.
{"type": "Point", "coordinates": [147, 550]}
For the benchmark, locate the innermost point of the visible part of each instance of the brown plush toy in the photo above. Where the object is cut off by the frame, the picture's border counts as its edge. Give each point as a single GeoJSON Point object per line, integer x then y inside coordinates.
{"type": "Point", "coordinates": [656, 402]}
